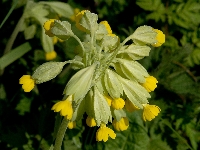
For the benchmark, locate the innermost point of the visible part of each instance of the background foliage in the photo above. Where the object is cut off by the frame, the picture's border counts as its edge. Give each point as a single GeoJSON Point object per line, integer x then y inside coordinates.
{"type": "Point", "coordinates": [27, 121]}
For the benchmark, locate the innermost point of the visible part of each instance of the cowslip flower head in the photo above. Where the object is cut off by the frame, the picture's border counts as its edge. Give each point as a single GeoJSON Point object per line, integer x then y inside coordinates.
{"type": "Point", "coordinates": [90, 122]}
{"type": "Point", "coordinates": [108, 28]}
{"type": "Point", "coordinates": [77, 20]}
{"type": "Point", "coordinates": [50, 55]}
{"type": "Point", "coordinates": [121, 125]}
{"type": "Point", "coordinates": [71, 124]}
{"type": "Point", "coordinates": [150, 83]}
{"type": "Point", "coordinates": [47, 26]}
{"type": "Point", "coordinates": [118, 103]}
{"type": "Point", "coordinates": [27, 83]}
{"type": "Point", "coordinates": [129, 106]}
{"type": "Point", "coordinates": [160, 37]}
{"type": "Point", "coordinates": [150, 112]}
{"type": "Point", "coordinates": [104, 132]}
{"type": "Point", "coordinates": [64, 107]}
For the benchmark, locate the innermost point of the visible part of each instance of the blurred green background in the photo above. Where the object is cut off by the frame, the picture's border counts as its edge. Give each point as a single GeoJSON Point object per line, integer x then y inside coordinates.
{"type": "Point", "coordinates": [26, 119]}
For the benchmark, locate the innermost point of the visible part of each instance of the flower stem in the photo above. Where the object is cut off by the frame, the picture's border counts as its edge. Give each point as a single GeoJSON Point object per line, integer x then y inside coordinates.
{"type": "Point", "coordinates": [60, 134]}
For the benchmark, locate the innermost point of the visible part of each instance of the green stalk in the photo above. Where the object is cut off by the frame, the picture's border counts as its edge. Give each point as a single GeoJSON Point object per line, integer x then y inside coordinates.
{"type": "Point", "coordinates": [61, 134]}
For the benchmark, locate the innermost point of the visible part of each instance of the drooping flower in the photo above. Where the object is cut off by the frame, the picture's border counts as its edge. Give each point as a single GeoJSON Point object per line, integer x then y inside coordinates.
{"type": "Point", "coordinates": [104, 132]}
{"type": "Point", "coordinates": [71, 124]}
{"type": "Point", "coordinates": [117, 103]}
{"type": "Point", "coordinates": [50, 55]}
{"type": "Point", "coordinates": [121, 125]}
{"type": "Point", "coordinates": [76, 11]}
{"type": "Point", "coordinates": [77, 20]}
{"type": "Point", "coordinates": [150, 83]}
{"type": "Point", "coordinates": [150, 112]}
{"type": "Point", "coordinates": [160, 38]}
{"type": "Point", "coordinates": [47, 26]}
{"type": "Point", "coordinates": [27, 83]}
{"type": "Point", "coordinates": [129, 106]}
{"type": "Point", "coordinates": [90, 122]}
{"type": "Point", "coordinates": [64, 107]}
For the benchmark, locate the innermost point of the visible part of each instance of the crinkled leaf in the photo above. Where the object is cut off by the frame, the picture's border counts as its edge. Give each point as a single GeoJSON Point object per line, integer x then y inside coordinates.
{"type": "Point", "coordinates": [80, 83]}
{"type": "Point", "coordinates": [101, 108]}
{"type": "Point", "coordinates": [47, 71]}
{"type": "Point", "coordinates": [62, 29]}
{"type": "Point", "coordinates": [112, 84]}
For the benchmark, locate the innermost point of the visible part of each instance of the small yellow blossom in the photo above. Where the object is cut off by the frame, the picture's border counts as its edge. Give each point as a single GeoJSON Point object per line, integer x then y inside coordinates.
{"type": "Point", "coordinates": [78, 18]}
{"type": "Point", "coordinates": [108, 28]}
{"type": "Point", "coordinates": [160, 38]}
{"type": "Point", "coordinates": [65, 108]}
{"type": "Point", "coordinates": [118, 103]}
{"type": "Point", "coordinates": [104, 132]}
{"type": "Point", "coordinates": [129, 106]}
{"type": "Point", "coordinates": [71, 124]}
{"type": "Point", "coordinates": [76, 11]}
{"type": "Point", "coordinates": [90, 122]}
{"type": "Point", "coordinates": [56, 39]}
{"type": "Point", "coordinates": [50, 55]}
{"type": "Point", "coordinates": [109, 100]}
{"type": "Point", "coordinates": [47, 26]}
{"type": "Point", "coordinates": [150, 112]}
{"type": "Point", "coordinates": [27, 83]}
{"type": "Point", "coordinates": [150, 83]}
{"type": "Point", "coordinates": [121, 125]}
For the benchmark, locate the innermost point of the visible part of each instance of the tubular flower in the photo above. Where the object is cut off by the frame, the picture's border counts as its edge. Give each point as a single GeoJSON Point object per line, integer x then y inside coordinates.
{"type": "Point", "coordinates": [129, 106]}
{"type": "Point", "coordinates": [109, 100]}
{"type": "Point", "coordinates": [65, 108]}
{"type": "Point", "coordinates": [117, 103]}
{"type": "Point", "coordinates": [71, 125]}
{"type": "Point", "coordinates": [90, 122]}
{"type": "Point", "coordinates": [150, 83]}
{"type": "Point", "coordinates": [104, 132]}
{"type": "Point", "coordinates": [47, 26]}
{"type": "Point", "coordinates": [76, 11]}
{"type": "Point", "coordinates": [77, 20]}
{"type": "Point", "coordinates": [50, 55]}
{"type": "Point", "coordinates": [121, 125]}
{"type": "Point", "coordinates": [160, 38]}
{"type": "Point", "coordinates": [27, 83]}
{"type": "Point", "coordinates": [108, 28]}
{"type": "Point", "coordinates": [150, 112]}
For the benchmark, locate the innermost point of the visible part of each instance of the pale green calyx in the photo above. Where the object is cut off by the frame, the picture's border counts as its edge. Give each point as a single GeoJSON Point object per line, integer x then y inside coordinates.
{"type": "Point", "coordinates": [47, 71]}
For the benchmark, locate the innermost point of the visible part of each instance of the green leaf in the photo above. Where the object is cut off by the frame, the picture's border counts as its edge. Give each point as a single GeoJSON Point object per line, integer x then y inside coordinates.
{"type": "Point", "coordinates": [63, 9]}
{"type": "Point", "coordinates": [158, 144]}
{"type": "Point", "coordinates": [14, 55]}
{"type": "Point", "coordinates": [80, 83]}
{"type": "Point", "coordinates": [101, 108]}
{"type": "Point", "coordinates": [23, 106]}
{"type": "Point", "coordinates": [112, 84]}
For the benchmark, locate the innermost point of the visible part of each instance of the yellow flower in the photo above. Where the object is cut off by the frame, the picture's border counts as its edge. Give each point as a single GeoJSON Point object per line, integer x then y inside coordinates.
{"type": "Point", "coordinates": [27, 83]}
{"type": "Point", "coordinates": [121, 125]}
{"type": "Point", "coordinates": [65, 108]}
{"type": "Point", "coordinates": [71, 124]}
{"type": "Point", "coordinates": [108, 28]}
{"type": "Point", "coordinates": [129, 106]}
{"type": "Point", "coordinates": [78, 18]}
{"type": "Point", "coordinates": [76, 11]}
{"type": "Point", "coordinates": [117, 103]}
{"type": "Point", "coordinates": [104, 132]}
{"type": "Point", "coordinates": [109, 100]}
{"type": "Point", "coordinates": [56, 39]}
{"type": "Point", "coordinates": [150, 83]}
{"type": "Point", "coordinates": [150, 112]}
{"type": "Point", "coordinates": [90, 122]}
{"type": "Point", "coordinates": [160, 38]}
{"type": "Point", "coordinates": [47, 26]}
{"type": "Point", "coordinates": [50, 55]}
